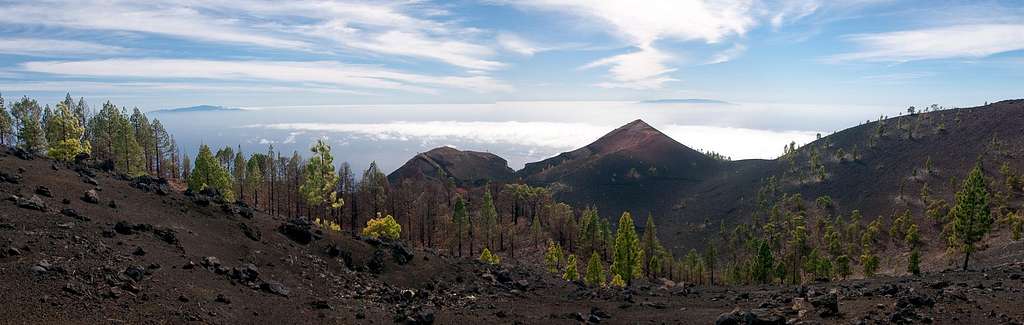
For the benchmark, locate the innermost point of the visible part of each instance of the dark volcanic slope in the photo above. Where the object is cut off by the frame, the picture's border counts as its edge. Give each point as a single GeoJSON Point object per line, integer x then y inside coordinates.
{"type": "Point", "coordinates": [467, 168]}
{"type": "Point", "coordinates": [634, 167]}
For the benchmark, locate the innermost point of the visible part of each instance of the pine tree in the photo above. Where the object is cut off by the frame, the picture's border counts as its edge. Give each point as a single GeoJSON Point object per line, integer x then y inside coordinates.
{"type": "Point", "coordinates": [254, 175]}
{"type": "Point", "coordinates": [64, 134]}
{"type": "Point", "coordinates": [628, 258]}
{"type": "Point", "coordinates": [595, 271]}
{"type": "Point", "coordinates": [27, 115]}
{"type": "Point", "coordinates": [843, 266]}
{"type": "Point", "coordinates": [489, 258]}
{"type": "Point", "coordinates": [319, 186]}
{"type": "Point", "coordinates": [617, 281]}
{"type": "Point", "coordinates": [375, 184]}
{"type": "Point", "coordinates": [971, 215]}
{"type": "Point", "coordinates": [650, 243]}
{"type": "Point", "coordinates": [710, 259]}
{"type": "Point", "coordinates": [143, 132]}
{"type": "Point", "coordinates": [164, 150]}
{"type": "Point", "coordinates": [553, 256]}
{"type": "Point", "coordinates": [208, 173]}
{"type": "Point", "coordinates": [869, 261]}
{"type": "Point", "coordinates": [571, 274]}
{"type": "Point", "coordinates": [238, 173]}
{"type": "Point", "coordinates": [186, 167]}
{"type": "Point", "coordinates": [6, 125]}
{"type": "Point", "coordinates": [914, 266]}
{"type": "Point", "coordinates": [763, 262]}
{"type": "Point", "coordinates": [488, 217]}
{"type": "Point", "coordinates": [459, 219]}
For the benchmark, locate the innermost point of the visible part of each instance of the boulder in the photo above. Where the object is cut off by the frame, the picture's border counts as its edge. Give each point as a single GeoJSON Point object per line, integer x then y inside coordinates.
{"type": "Point", "coordinates": [136, 273]}
{"type": "Point", "coordinates": [827, 305]}
{"type": "Point", "coordinates": [752, 317]}
{"type": "Point", "coordinates": [275, 287]}
{"type": "Point", "coordinates": [91, 196]}
{"type": "Point", "coordinates": [166, 235]}
{"type": "Point", "coordinates": [44, 191]}
{"type": "Point", "coordinates": [299, 230]}
{"type": "Point", "coordinates": [251, 232]}
{"type": "Point", "coordinates": [73, 214]}
{"type": "Point", "coordinates": [32, 203]}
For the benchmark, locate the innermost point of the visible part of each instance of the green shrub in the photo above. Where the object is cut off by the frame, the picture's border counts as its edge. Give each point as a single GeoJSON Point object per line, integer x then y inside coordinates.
{"type": "Point", "coordinates": [385, 227]}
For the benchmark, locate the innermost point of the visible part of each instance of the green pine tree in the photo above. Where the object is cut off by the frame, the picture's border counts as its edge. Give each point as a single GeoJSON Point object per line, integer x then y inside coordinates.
{"type": "Point", "coordinates": [64, 134]}
{"type": "Point", "coordinates": [628, 257]}
{"type": "Point", "coordinates": [763, 263]}
{"type": "Point", "coordinates": [595, 271]}
{"type": "Point", "coordinates": [208, 173]}
{"type": "Point", "coordinates": [553, 257]}
{"type": "Point", "coordinates": [571, 274]}
{"type": "Point", "coordinates": [971, 216]}
{"type": "Point", "coordinates": [28, 115]}
{"type": "Point", "coordinates": [650, 244]}
{"type": "Point", "coordinates": [488, 217]}
{"type": "Point", "coordinates": [914, 266]}
{"type": "Point", "coordinates": [459, 219]}
{"type": "Point", "coordinates": [6, 125]}
{"type": "Point", "coordinates": [320, 183]}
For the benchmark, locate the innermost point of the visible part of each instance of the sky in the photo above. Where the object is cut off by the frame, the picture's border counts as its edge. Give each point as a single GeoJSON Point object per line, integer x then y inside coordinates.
{"type": "Point", "coordinates": [407, 60]}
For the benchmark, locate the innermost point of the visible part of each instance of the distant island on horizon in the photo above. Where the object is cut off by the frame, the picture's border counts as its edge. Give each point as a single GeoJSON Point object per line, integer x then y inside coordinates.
{"type": "Point", "coordinates": [685, 101]}
{"type": "Point", "coordinates": [198, 108]}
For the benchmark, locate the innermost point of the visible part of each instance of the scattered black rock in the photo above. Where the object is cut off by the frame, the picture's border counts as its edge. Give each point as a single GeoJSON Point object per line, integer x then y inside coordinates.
{"type": "Point", "coordinates": [210, 262]}
{"type": "Point", "coordinates": [275, 287]}
{"type": "Point", "coordinates": [754, 316]}
{"type": "Point", "coordinates": [10, 178]}
{"type": "Point", "coordinates": [136, 273]}
{"type": "Point", "coordinates": [250, 232]}
{"type": "Point", "coordinates": [151, 184]}
{"type": "Point", "coordinates": [166, 235]}
{"type": "Point", "coordinates": [827, 305]}
{"type": "Point", "coordinates": [91, 196]}
{"type": "Point", "coordinates": [139, 251]}
{"type": "Point", "coordinates": [42, 190]}
{"type": "Point", "coordinates": [124, 228]}
{"type": "Point", "coordinates": [222, 299]}
{"type": "Point", "coordinates": [32, 203]}
{"type": "Point", "coordinates": [321, 304]}
{"type": "Point", "coordinates": [299, 230]}
{"type": "Point", "coordinates": [376, 263]}
{"type": "Point", "coordinates": [69, 212]}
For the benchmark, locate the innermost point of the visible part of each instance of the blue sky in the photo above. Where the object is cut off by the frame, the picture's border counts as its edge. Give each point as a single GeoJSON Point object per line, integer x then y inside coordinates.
{"type": "Point", "coordinates": [159, 54]}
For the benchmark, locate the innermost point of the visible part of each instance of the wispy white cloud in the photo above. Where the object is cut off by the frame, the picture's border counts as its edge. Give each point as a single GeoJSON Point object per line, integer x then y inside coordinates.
{"type": "Point", "coordinates": [791, 10]}
{"type": "Point", "coordinates": [410, 29]}
{"type": "Point", "coordinates": [56, 47]}
{"type": "Point", "coordinates": [643, 23]}
{"type": "Point", "coordinates": [517, 44]}
{"type": "Point", "coordinates": [728, 54]}
{"type": "Point", "coordinates": [952, 42]}
{"type": "Point", "coordinates": [162, 86]}
{"type": "Point", "coordinates": [322, 73]}
{"type": "Point", "coordinates": [643, 69]}
{"type": "Point", "coordinates": [143, 17]}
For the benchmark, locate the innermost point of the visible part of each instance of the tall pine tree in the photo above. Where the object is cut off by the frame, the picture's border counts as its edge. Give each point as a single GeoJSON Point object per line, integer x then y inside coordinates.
{"type": "Point", "coordinates": [319, 180]}
{"type": "Point", "coordinates": [627, 261]}
{"type": "Point", "coordinates": [971, 216]}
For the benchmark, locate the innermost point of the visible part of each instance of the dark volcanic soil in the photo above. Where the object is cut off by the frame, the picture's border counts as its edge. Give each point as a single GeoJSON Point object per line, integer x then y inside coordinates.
{"type": "Point", "coordinates": [157, 256]}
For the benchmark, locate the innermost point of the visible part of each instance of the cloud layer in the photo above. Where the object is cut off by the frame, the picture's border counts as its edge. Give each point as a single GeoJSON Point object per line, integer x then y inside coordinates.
{"type": "Point", "coordinates": [553, 137]}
